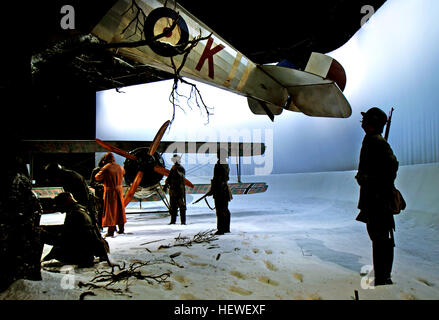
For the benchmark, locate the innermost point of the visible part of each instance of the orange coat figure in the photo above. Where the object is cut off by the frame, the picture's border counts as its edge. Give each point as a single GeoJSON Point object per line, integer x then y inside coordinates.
{"type": "Point", "coordinates": [114, 210]}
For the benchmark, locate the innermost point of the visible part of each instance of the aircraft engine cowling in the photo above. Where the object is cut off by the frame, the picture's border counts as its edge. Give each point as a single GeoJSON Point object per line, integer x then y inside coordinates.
{"type": "Point", "coordinates": [145, 163]}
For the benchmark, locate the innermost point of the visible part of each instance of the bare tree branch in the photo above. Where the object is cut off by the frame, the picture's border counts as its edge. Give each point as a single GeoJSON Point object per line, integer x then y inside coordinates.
{"type": "Point", "coordinates": [201, 237]}
{"type": "Point", "coordinates": [122, 273]}
{"type": "Point", "coordinates": [195, 92]}
{"type": "Point", "coordinates": [89, 58]}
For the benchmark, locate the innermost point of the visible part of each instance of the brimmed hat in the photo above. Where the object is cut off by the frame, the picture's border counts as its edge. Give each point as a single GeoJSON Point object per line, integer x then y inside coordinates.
{"type": "Point", "coordinates": [176, 158]}
{"type": "Point", "coordinates": [375, 115]}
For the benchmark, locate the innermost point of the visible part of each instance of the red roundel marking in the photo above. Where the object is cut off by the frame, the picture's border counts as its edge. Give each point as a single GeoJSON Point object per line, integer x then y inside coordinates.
{"type": "Point", "coordinates": [167, 34]}
{"type": "Point", "coordinates": [150, 32]}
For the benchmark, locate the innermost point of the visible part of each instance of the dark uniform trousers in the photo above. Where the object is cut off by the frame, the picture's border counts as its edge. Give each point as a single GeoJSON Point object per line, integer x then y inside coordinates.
{"type": "Point", "coordinates": [177, 193]}
{"type": "Point", "coordinates": [382, 249]}
{"type": "Point", "coordinates": [175, 203]}
{"type": "Point", "coordinates": [222, 195]}
{"type": "Point", "coordinates": [66, 250]}
{"type": "Point", "coordinates": [222, 215]}
{"type": "Point", "coordinates": [77, 241]}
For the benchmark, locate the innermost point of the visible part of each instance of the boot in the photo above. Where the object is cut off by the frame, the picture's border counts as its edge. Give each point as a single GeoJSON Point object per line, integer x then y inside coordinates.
{"type": "Point", "coordinates": [121, 229]}
{"type": "Point", "coordinates": [173, 214]}
{"type": "Point", "coordinates": [110, 232]}
{"type": "Point", "coordinates": [382, 253]}
{"type": "Point", "coordinates": [183, 216]}
{"type": "Point", "coordinates": [227, 221]}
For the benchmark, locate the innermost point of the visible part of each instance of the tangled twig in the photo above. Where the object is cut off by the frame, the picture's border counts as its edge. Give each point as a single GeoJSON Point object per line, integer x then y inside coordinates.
{"type": "Point", "coordinates": [122, 273]}
{"type": "Point", "coordinates": [139, 19]}
{"type": "Point", "coordinates": [201, 237]}
{"type": "Point", "coordinates": [139, 28]}
{"type": "Point", "coordinates": [195, 92]}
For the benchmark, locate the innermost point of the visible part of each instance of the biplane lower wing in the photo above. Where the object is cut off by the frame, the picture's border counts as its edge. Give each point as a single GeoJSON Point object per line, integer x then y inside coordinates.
{"type": "Point", "coordinates": [155, 193]}
{"type": "Point", "coordinates": [46, 196]}
{"type": "Point", "coordinates": [236, 188]}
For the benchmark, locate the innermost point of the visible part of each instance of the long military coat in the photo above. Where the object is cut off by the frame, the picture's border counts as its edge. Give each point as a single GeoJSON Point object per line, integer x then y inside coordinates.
{"type": "Point", "coordinates": [175, 180]}
{"type": "Point", "coordinates": [114, 210]}
{"type": "Point", "coordinates": [219, 187]}
{"type": "Point", "coordinates": [376, 175]}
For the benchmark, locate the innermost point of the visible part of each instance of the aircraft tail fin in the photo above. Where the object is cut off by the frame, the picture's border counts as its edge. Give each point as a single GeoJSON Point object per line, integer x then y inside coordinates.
{"type": "Point", "coordinates": [328, 68]}
{"type": "Point", "coordinates": [317, 91]}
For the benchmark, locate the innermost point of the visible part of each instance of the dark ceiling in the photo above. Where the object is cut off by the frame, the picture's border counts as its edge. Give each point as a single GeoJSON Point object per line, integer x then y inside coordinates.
{"type": "Point", "coordinates": [264, 31]}
{"type": "Point", "coordinates": [59, 100]}
{"type": "Point", "coordinates": [270, 31]}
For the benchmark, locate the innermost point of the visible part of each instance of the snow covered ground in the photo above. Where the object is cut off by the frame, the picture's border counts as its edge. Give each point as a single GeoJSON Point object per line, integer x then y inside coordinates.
{"type": "Point", "coordinates": [298, 240]}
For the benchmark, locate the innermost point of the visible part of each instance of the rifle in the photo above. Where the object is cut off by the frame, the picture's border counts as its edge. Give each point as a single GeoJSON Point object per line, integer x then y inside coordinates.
{"type": "Point", "coordinates": [389, 121]}
{"type": "Point", "coordinates": [205, 196]}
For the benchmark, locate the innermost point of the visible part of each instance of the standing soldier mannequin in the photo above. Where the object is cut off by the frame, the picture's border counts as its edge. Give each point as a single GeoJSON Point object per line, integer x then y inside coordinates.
{"type": "Point", "coordinates": [177, 190]}
{"type": "Point", "coordinates": [114, 210]}
{"type": "Point", "coordinates": [221, 192]}
{"type": "Point", "coordinates": [376, 175]}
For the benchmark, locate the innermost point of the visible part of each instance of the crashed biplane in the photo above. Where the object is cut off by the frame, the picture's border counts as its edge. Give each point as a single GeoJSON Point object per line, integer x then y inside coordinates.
{"type": "Point", "coordinates": [163, 35]}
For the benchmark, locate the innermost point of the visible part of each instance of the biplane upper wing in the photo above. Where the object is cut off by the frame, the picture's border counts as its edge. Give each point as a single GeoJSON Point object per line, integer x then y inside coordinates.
{"type": "Point", "coordinates": [90, 146]}
{"type": "Point", "coordinates": [168, 30]}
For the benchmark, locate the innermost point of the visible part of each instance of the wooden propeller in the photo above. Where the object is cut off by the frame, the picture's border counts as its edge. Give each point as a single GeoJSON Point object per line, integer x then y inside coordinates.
{"type": "Point", "coordinates": [158, 137]}
{"type": "Point", "coordinates": [116, 150]}
{"type": "Point", "coordinates": [130, 193]}
{"type": "Point", "coordinates": [139, 176]}
{"type": "Point", "coordinates": [152, 149]}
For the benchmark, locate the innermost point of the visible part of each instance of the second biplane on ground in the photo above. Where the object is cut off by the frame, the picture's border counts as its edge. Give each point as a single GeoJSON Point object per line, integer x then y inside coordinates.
{"type": "Point", "coordinates": [144, 165]}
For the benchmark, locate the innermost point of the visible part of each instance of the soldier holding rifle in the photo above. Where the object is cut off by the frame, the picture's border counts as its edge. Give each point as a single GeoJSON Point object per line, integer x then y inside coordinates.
{"type": "Point", "coordinates": [221, 193]}
{"type": "Point", "coordinates": [376, 175]}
